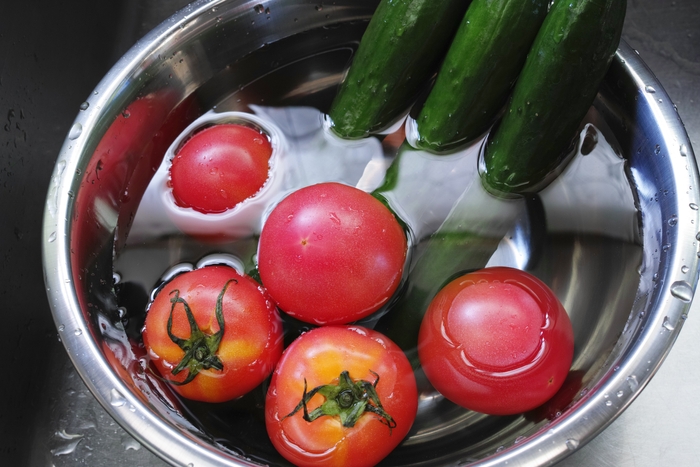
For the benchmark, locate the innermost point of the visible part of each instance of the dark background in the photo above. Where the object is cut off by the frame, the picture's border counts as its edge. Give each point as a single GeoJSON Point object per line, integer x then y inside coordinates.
{"type": "Point", "coordinates": [52, 54]}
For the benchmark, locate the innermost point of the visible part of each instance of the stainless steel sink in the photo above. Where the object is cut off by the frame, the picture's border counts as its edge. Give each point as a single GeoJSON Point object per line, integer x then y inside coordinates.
{"type": "Point", "coordinates": [51, 56]}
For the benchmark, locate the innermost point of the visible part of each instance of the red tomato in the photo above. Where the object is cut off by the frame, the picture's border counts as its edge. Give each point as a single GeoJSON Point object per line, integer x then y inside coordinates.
{"type": "Point", "coordinates": [219, 167]}
{"type": "Point", "coordinates": [331, 254]}
{"type": "Point", "coordinates": [496, 341]}
{"type": "Point", "coordinates": [310, 401]}
{"type": "Point", "coordinates": [227, 346]}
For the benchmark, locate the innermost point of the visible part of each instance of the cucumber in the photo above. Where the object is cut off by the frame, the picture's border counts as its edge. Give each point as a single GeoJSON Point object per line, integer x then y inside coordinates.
{"type": "Point", "coordinates": [481, 65]}
{"type": "Point", "coordinates": [558, 83]}
{"type": "Point", "coordinates": [399, 52]}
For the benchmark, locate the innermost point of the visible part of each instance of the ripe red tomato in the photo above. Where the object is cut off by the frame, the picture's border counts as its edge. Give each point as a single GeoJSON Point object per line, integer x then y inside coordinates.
{"type": "Point", "coordinates": [340, 396]}
{"type": "Point", "coordinates": [220, 166]}
{"type": "Point", "coordinates": [496, 341]}
{"type": "Point", "coordinates": [331, 254]}
{"type": "Point", "coordinates": [213, 334]}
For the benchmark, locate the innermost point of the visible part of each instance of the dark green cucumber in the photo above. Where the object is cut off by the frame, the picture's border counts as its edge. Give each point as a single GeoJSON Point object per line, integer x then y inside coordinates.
{"type": "Point", "coordinates": [558, 83]}
{"type": "Point", "coordinates": [399, 52]}
{"type": "Point", "coordinates": [481, 65]}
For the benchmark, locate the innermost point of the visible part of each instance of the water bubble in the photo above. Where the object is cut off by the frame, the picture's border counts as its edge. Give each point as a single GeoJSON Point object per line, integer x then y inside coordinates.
{"type": "Point", "coordinates": [116, 399]}
{"type": "Point", "coordinates": [75, 131]}
{"type": "Point", "coordinates": [684, 150]}
{"type": "Point", "coordinates": [650, 89]}
{"type": "Point", "coordinates": [572, 444]}
{"type": "Point", "coordinates": [682, 290]}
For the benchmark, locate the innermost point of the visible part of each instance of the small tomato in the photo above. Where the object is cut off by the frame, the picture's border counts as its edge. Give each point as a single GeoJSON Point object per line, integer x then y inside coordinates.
{"type": "Point", "coordinates": [213, 334]}
{"type": "Point", "coordinates": [220, 166]}
{"type": "Point", "coordinates": [340, 396]}
{"type": "Point", "coordinates": [496, 341]}
{"type": "Point", "coordinates": [331, 254]}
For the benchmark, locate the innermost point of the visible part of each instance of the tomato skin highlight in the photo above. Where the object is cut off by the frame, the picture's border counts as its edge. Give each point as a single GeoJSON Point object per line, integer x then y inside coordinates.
{"type": "Point", "coordinates": [252, 340]}
{"type": "Point", "coordinates": [319, 356]}
{"type": "Point", "coordinates": [496, 341]}
{"type": "Point", "coordinates": [219, 167]}
{"type": "Point", "coordinates": [331, 254]}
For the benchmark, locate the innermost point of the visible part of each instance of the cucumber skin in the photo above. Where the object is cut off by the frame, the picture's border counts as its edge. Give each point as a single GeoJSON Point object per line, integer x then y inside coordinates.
{"type": "Point", "coordinates": [557, 86]}
{"type": "Point", "coordinates": [483, 62]}
{"type": "Point", "coordinates": [399, 52]}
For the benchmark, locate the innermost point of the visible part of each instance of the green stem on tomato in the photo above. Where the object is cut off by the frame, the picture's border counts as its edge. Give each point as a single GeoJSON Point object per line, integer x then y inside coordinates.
{"type": "Point", "coordinates": [347, 400]}
{"type": "Point", "coordinates": [200, 348]}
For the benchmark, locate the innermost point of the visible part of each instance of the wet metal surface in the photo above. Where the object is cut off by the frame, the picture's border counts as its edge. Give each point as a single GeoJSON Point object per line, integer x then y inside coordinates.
{"type": "Point", "coordinates": [52, 55]}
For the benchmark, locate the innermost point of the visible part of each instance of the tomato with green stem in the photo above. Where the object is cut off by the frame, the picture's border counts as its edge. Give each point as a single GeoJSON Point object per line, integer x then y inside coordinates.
{"type": "Point", "coordinates": [213, 334]}
{"type": "Point", "coordinates": [340, 396]}
{"type": "Point", "coordinates": [220, 166]}
{"type": "Point", "coordinates": [496, 341]}
{"type": "Point", "coordinates": [331, 254]}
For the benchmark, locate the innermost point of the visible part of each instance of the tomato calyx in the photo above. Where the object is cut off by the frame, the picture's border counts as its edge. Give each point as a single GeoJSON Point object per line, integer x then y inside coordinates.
{"type": "Point", "coordinates": [347, 400]}
{"type": "Point", "coordinates": [200, 348]}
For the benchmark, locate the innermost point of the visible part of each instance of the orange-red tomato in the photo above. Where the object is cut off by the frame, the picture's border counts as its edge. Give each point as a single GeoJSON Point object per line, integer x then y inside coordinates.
{"type": "Point", "coordinates": [331, 254]}
{"type": "Point", "coordinates": [191, 351]}
{"type": "Point", "coordinates": [318, 373]}
{"type": "Point", "coordinates": [220, 166]}
{"type": "Point", "coordinates": [496, 341]}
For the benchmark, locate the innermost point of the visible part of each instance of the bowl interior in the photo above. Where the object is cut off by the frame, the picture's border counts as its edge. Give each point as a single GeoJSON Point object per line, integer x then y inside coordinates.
{"type": "Point", "coordinates": [615, 239]}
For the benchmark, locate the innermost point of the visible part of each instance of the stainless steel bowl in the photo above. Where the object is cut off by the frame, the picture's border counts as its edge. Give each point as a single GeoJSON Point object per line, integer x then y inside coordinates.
{"type": "Point", "coordinates": [628, 300]}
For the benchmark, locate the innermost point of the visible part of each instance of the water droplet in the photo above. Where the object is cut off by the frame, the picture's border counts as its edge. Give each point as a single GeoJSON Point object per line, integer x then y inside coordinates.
{"type": "Point", "coordinates": [52, 237]}
{"type": "Point", "coordinates": [259, 9]}
{"type": "Point", "coordinates": [657, 149]}
{"type": "Point", "coordinates": [685, 269]}
{"type": "Point", "coordinates": [667, 324]}
{"type": "Point", "coordinates": [650, 89]}
{"type": "Point", "coordinates": [63, 434]}
{"type": "Point", "coordinates": [116, 399]}
{"type": "Point", "coordinates": [684, 150]}
{"type": "Point", "coordinates": [78, 332]}
{"type": "Point", "coordinates": [319, 8]}
{"type": "Point", "coordinates": [572, 444]}
{"type": "Point", "coordinates": [673, 220]}
{"type": "Point", "coordinates": [84, 106]}
{"type": "Point", "coordinates": [693, 206]}
{"type": "Point", "coordinates": [608, 403]}
{"type": "Point", "coordinates": [126, 113]}
{"type": "Point", "coordinates": [62, 328]}
{"type": "Point", "coordinates": [75, 131]}
{"type": "Point", "coordinates": [632, 382]}
{"type": "Point", "coordinates": [518, 439]}
{"type": "Point", "coordinates": [620, 393]}
{"type": "Point", "coordinates": [334, 217]}
{"type": "Point", "coordinates": [68, 448]}
{"type": "Point", "coordinates": [682, 290]}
